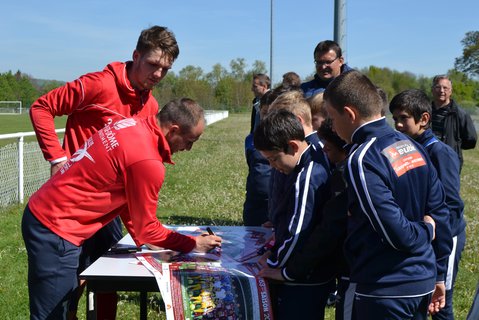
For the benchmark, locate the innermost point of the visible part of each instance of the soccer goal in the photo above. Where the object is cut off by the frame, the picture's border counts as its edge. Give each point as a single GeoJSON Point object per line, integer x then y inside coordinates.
{"type": "Point", "coordinates": [10, 107]}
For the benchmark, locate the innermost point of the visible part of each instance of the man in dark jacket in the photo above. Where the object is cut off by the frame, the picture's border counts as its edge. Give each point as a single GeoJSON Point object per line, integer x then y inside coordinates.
{"type": "Point", "coordinates": [329, 62]}
{"type": "Point", "coordinates": [450, 123]}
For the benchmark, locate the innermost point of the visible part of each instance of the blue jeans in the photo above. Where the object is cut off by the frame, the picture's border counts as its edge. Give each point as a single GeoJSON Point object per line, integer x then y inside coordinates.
{"type": "Point", "coordinates": [52, 269]}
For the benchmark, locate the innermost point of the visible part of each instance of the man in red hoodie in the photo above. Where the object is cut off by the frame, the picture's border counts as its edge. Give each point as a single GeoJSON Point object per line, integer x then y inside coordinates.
{"type": "Point", "coordinates": [118, 171]}
{"type": "Point", "coordinates": [97, 99]}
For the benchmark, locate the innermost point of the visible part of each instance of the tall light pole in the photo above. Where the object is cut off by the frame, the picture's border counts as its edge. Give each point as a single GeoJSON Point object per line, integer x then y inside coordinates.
{"type": "Point", "coordinates": [271, 43]}
{"type": "Point", "coordinates": [340, 25]}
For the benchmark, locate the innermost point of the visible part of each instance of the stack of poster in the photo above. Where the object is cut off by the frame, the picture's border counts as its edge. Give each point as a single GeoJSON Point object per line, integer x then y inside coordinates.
{"type": "Point", "coordinates": [222, 284]}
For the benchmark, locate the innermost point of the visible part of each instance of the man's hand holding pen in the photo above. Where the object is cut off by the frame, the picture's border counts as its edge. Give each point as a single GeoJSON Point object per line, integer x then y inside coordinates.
{"type": "Point", "coordinates": [207, 241]}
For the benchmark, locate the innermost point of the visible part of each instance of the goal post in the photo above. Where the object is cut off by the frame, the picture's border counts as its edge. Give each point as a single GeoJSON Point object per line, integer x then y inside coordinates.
{"type": "Point", "coordinates": [10, 107]}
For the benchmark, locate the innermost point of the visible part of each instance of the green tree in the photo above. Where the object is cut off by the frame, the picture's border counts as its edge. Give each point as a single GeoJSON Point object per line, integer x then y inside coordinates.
{"type": "Point", "coordinates": [164, 91]}
{"type": "Point", "coordinates": [238, 67]}
{"type": "Point", "coordinates": [469, 62]}
{"type": "Point", "coordinates": [191, 73]}
{"type": "Point", "coordinates": [217, 73]}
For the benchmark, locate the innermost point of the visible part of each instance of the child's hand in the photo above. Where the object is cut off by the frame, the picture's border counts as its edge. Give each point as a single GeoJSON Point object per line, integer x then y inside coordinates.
{"type": "Point", "coordinates": [438, 300]}
{"type": "Point", "coordinates": [262, 261]}
{"type": "Point", "coordinates": [271, 273]}
{"type": "Point", "coordinates": [429, 219]}
{"type": "Point", "coordinates": [267, 224]}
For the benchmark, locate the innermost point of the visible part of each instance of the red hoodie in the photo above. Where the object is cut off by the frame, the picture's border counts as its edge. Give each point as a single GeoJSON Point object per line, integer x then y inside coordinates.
{"type": "Point", "coordinates": [119, 170]}
{"type": "Point", "coordinates": [91, 102]}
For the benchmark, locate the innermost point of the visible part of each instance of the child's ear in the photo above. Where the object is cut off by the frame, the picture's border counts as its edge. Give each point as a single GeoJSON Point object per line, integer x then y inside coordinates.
{"type": "Point", "coordinates": [351, 112]}
{"type": "Point", "coordinates": [293, 147]}
{"type": "Point", "coordinates": [424, 120]}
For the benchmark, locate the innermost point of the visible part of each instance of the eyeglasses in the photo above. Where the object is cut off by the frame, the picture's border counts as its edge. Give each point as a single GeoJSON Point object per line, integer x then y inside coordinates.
{"type": "Point", "coordinates": [439, 87]}
{"type": "Point", "coordinates": [325, 63]}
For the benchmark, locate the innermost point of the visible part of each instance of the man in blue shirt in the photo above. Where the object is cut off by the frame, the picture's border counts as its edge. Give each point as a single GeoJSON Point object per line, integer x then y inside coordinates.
{"type": "Point", "coordinates": [329, 62]}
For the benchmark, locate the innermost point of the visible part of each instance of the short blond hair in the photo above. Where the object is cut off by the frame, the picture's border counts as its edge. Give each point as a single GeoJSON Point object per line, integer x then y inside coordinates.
{"type": "Point", "coordinates": [317, 105]}
{"type": "Point", "coordinates": [294, 102]}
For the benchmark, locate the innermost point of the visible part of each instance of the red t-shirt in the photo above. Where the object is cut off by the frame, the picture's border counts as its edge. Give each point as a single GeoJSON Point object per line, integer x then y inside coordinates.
{"type": "Point", "coordinates": [90, 102]}
{"type": "Point", "coordinates": [119, 170]}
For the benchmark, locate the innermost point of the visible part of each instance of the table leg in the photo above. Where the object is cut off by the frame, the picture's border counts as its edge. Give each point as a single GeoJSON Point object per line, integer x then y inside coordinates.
{"type": "Point", "coordinates": [91, 306]}
{"type": "Point", "coordinates": [143, 305]}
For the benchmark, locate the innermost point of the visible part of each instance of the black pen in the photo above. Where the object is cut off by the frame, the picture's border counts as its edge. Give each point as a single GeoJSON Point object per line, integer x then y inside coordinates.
{"type": "Point", "coordinates": [210, 232]}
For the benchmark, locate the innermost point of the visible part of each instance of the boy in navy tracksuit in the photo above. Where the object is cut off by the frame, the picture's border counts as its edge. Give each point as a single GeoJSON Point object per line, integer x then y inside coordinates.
{"type": "Point", "coordinates": [294, 102]}
{"type": "Point", "coordinates": [396, 208]}
{"type": "Point", "coordinates": [280, 138]}
{"type": "Point", "coordinates": [411, 112]}
{"type": "Point", "coordinates": [322, 252]}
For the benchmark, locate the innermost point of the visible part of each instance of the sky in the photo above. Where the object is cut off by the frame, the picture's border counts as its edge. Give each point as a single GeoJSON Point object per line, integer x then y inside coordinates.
{"type": "Point", "coordinates": [61, 40]}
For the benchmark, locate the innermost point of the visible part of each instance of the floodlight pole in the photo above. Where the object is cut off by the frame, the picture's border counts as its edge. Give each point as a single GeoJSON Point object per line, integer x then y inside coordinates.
{"type": "Point", "coordinates": [271, 43]}
{"type": "Point", "coordinates": [340, 25]}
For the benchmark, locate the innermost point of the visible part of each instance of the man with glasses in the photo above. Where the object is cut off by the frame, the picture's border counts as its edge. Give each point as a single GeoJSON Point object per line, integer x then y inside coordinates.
{"type": "Point", "coordinates": [329, 62]}
{"type": "Point", "coordinates": [450, 123]}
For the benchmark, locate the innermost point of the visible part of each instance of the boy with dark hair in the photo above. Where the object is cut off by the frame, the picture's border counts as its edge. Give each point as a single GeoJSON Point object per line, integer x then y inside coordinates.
{"type": "Point", "coordinates": [280, 138]}
{"type": "Point", "coordinates": [411, 112]}
{"type": "Point", "coordinates": [396, 208]}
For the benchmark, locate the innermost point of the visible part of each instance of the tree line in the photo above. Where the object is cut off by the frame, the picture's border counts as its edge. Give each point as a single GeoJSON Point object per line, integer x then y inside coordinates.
{"type": "Point", "coordinates": [230, 88]}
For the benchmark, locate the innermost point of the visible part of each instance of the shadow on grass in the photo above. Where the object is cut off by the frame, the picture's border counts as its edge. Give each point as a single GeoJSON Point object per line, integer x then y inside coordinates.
{"type": "Point", "coordinates": [197, 221]}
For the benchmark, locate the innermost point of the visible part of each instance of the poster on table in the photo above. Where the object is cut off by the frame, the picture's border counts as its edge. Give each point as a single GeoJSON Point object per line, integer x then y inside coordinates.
{"type": "Point", "coordinates": [221, 284]}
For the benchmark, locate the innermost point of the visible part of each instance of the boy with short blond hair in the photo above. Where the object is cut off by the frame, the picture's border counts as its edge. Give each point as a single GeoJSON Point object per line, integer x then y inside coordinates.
{"type": "Point", "coordinates": [318, 111]}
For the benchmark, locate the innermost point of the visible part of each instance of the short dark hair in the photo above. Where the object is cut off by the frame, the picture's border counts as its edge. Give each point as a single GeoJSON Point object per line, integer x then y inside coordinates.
{"type": "Point", "coordinates": [263, 79]}
{"type": "Point", "coordinates": [158, 37]}
{"type": "Point", "coordinates": [352, 88]}
{"type": "Point", "coordinates": [327, 45]}
{"type": "Point", "coordinates": [276, 130]}
{"type": "Point", "coordinates": [326, 132]}
{"type": "Point", "coordinates": [291, 80]}
{"type": "Point", "coordinates": [413, 101]}
{"type": "Point", "coordinates": [184, 112]}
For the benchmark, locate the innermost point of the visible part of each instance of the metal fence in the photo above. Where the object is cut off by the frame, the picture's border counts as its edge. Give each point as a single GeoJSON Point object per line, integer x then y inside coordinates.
{"type": "Point", "coordinates": [23, 169]}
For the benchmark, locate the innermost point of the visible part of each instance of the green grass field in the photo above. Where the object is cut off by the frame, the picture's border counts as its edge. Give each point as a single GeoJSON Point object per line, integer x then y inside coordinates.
{"type": "Point", "coordinates": [206, 186]}
{"type": "Point", "coordinates": [21, 123]}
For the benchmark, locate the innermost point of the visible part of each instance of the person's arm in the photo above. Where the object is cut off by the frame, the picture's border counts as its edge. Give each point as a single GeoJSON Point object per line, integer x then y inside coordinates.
{"type": "Point", "coordinates": [468, 131]}
{"type": "Point", "coordinates": [383, 212]}
{"type": "Point", "coordinates": [437, 208]}
{"type": "Point", "coordinates": [325, 239]}
{"type": "Point", "coordinates": [59, 102]}
{"type": "Point", "coordinates": [143, 181]}
{"type": "Point", "coordinates": [310, 184]}
{"type": "Point", "coordinates": [446, 162]}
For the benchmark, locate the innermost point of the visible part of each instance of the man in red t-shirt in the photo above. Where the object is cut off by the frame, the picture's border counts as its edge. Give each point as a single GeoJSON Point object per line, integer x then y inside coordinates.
{"type": "Point", "coordinates": [94, 100]}
{"type": "Point", "coordinates": [118, 171]}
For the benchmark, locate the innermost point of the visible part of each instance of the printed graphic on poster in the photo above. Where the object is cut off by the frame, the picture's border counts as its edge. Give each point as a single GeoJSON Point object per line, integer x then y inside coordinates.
{"type": "Point", "coordinates": [218, 285]}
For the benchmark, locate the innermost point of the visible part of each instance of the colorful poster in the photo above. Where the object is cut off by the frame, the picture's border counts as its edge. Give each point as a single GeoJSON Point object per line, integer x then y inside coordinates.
{"type": "Point", "coordinates": [217, 285]}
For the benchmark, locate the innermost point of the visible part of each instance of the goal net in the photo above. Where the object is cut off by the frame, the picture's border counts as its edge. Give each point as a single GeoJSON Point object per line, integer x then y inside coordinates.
{"type": "Point", "coordinates": [10, 107]}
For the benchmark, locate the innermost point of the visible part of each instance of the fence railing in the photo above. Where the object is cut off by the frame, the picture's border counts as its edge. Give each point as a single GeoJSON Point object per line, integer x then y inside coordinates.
{"type": "Point", "coordinates": [23, 169]}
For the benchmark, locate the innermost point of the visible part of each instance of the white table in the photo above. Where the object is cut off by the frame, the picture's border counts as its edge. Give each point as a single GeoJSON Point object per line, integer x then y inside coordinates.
{"type": "Point", "coordinates": [124, 272]}
{"type": "Point", "coordinates": [119, 272]}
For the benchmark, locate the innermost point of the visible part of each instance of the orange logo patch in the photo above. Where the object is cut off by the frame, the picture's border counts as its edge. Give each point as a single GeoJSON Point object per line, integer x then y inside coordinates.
{"type": "Point", "coordinates": [403, 157]}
